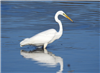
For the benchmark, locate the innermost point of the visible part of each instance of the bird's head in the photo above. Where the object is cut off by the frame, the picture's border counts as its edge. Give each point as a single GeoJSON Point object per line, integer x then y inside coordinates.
{"type": "Point", "coordinates": [63, 14]}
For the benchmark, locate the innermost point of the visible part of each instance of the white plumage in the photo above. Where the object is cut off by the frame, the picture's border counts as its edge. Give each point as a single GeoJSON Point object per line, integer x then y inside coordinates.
{"type": "Point", "coordinates": [46, 37]}
{"type": "Point", "coordinates": [38, 40]}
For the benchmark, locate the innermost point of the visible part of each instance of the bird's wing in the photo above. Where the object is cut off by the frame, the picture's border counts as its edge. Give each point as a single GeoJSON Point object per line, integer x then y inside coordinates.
{"type": "Point", "coordinates": [43, 37]}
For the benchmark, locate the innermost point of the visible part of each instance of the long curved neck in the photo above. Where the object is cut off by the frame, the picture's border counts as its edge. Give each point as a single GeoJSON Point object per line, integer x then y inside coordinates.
{"type": "Point", "coordinates": [60, 26]}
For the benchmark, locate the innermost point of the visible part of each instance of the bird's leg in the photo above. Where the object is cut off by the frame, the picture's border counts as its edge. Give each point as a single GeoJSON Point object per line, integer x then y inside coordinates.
{"type": "Point", "coordinates": [44, 47]}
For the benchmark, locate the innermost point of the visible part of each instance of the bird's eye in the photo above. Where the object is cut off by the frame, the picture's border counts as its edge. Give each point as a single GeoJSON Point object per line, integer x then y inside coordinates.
{"type": "Point", "coordinates": [63, 13]}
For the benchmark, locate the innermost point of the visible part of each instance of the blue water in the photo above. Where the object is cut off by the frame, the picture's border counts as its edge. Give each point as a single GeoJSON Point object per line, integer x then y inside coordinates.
{"type": "Point", "coordinates": [78, 46]}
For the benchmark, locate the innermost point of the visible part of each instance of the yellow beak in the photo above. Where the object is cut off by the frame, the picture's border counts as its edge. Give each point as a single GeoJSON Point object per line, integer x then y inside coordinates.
{"type": "Point", "coordinates": [68, 17]}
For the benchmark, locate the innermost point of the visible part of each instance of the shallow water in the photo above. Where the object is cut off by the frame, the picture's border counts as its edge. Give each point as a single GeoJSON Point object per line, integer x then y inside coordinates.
{"type": "Point", "coordinates": [78, 46]}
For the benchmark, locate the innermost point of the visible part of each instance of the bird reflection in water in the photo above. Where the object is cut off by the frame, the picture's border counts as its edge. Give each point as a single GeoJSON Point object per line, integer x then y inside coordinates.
{"type": "Point", "coordinates": [44, 59]}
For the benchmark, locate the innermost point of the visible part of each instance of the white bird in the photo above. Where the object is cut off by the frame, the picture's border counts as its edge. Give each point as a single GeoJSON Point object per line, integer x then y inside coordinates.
{"type": "Point", "coordinates": [46, 37]}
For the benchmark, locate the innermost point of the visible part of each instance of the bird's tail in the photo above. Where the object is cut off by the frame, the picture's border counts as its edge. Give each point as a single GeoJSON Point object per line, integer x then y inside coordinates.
{"type": "Point", "coordinates": [24, 42]}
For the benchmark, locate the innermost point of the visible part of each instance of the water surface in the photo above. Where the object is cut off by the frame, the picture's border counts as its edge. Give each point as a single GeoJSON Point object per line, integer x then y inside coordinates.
{"type": "Point", "coordinates": [78, 46]}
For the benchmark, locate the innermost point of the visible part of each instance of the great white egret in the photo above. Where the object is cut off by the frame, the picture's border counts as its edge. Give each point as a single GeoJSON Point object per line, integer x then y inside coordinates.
{"type": "Point", "coordinates": [43, 59]}
{"type": "Point", "coordinates": [46, 37]}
